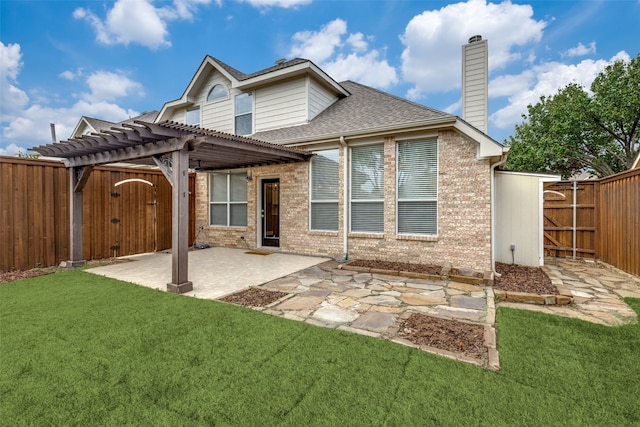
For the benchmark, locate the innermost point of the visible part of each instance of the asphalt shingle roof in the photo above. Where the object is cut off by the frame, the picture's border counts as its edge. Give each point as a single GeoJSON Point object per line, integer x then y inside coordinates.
{"type": "Point", "coordinates": [366, 109]}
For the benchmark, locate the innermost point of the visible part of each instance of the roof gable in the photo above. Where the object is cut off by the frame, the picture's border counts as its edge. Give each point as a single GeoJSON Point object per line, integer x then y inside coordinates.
{"type": "Point", "coordinates": [270, 75]}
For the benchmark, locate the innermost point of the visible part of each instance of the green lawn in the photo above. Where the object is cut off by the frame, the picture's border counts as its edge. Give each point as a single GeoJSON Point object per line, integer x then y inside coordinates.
{"type": "Point", "coordinates": [79, 349]}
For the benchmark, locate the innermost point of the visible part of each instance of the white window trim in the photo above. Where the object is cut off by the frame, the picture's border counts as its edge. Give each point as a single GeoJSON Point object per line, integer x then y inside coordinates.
{"type": "Point", "coordinates": [311, 201]}
{"type": "Point", "coordinates": [351, 199]}
{"type": "Point", "coordinates": [420, 200]}
{"type": "Point", "coordinates": [228, 204]}
{"type": "Point", "coordinates": [224, 98]}
{"type": "Point", "coordinates": [253, 116]}
{"type": "Point", "coordinates": [186, 113]}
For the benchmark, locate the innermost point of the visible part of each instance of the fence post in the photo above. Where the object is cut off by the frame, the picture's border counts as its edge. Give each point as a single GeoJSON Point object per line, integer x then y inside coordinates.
{"type": "Point", "coordinates": [575, 214]}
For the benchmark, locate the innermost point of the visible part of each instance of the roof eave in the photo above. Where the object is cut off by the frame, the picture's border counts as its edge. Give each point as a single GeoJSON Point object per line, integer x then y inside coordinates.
{"type": "Point", "coordinates": [187, 97]}
{"type": "Point", "coordinates": [487, 146]}
{"type": "Point", "coordinates": [288, 72]}
{"type": "Point", "coordinates": [412, 127]}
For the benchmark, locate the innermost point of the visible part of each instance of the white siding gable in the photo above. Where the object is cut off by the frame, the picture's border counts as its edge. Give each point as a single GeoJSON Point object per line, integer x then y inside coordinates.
{"type": "Point", "coordinates": [286, 103]}
{"type": "Point", "coordinates": [281, 105]}
{"type": "Point", "coordinates": [216, 115]}
{"type": "Point", "coordinates": [319, 99]}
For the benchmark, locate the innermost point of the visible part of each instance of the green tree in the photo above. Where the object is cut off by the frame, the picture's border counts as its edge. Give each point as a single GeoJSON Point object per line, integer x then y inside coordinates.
{"type": "Point", "coordinates": [573, 131]}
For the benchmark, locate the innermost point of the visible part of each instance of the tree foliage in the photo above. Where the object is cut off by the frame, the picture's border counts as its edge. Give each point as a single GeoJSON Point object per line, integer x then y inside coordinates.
{"type": "Point", "coordinates": [573, 131]}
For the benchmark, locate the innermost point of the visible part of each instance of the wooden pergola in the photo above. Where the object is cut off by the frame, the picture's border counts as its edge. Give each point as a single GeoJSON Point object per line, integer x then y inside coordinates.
{"type": "Point", "coordinates": [174, 148]}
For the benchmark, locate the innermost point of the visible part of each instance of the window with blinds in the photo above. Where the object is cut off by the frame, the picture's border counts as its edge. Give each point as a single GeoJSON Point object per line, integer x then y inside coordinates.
{"type": "Point", "coordinates": [228, 199]}
{"type": "Point", "coordinates": [367, 189]}
{"type": "Point", "coordinates": [324, 191]}
{"type": "Point", "coordinates": [417, 191]}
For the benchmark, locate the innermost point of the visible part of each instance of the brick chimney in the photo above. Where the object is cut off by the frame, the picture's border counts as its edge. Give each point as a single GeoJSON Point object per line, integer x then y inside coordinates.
{"type": "Point", "coordinates": [475, 83]}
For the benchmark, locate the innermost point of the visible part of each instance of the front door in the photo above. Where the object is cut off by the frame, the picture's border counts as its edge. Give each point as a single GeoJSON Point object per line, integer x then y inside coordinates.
{"type": "Point", "coordinates": [270, 212]}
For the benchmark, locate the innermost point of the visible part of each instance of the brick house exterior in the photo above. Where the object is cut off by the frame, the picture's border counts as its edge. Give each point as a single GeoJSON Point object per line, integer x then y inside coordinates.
{"type": "Point", "coordinates": [296, 104]}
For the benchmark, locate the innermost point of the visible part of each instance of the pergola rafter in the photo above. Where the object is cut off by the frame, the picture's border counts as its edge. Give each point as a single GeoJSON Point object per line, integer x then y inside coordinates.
{"type": "Point", "coordinates": [153, 143]}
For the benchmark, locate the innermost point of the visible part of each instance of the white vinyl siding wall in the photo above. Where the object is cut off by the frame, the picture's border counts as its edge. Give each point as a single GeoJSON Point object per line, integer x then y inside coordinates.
{"type": "Point", "coordinates": [324, 191]}
{"type": "Point", "coordinates": [417, 187]}
{"type": "Point", "coordinates": [319, 99]}
{"type": "Point", "coordinates": [475, 84]}
{"type": "Point", "coordinates": [218, 114]}
{"type": "Point", "coordinates": [282, 105]}
{"type": "Point", "coordinates": [367, 189]}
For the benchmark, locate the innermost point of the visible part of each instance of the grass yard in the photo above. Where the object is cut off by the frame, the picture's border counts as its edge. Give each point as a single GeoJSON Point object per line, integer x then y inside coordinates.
{"type": "Point", "coordinates": [80, 349]}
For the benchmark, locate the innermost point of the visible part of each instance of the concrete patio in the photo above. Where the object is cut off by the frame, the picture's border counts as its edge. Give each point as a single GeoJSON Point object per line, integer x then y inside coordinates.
{"type": "Point", "coordinates": [215, 272]}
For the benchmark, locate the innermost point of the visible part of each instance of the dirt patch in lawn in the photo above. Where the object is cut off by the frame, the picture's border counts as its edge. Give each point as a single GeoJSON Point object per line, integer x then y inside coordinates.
{"type": "Point", "coordinates": [254, 297]}
{"type": "Point", "coordinates": [397, 266]}
{"type": "Point", "coordinates": [444, 334]}
{"type": "Point", "coordinates": [10, 276]}
{"type": "Point", "coordinates": [518, 278]}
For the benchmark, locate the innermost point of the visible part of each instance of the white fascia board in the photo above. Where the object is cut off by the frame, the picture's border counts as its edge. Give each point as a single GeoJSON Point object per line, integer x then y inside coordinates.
{"type": "Point", "coordinates": [382, 131]}
{"type": "Point", "coordinates": [284, 73]}
{"type": "Point", "coordinates": [488, 147]}
{"type": "Point", "coordinates": [80, 122]}
{"type": "Point", "coordinates": [187, 97]}
{"type": "Point", "coordinates": [545, 177]}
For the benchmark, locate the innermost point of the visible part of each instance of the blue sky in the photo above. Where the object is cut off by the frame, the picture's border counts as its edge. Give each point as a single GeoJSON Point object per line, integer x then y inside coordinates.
{"type": "Point", "coordinates": [60, 60]}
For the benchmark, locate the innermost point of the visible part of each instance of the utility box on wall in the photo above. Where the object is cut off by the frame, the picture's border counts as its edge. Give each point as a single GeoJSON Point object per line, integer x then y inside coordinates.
{"type": "Point", "coordinates": [519, 217]}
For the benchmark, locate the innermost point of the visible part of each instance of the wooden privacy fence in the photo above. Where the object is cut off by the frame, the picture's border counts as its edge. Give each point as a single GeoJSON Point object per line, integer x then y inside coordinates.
{"type": "Point", "coordinates": [603, 221]}
{"type": "Point", "coordinates": [34, 204]}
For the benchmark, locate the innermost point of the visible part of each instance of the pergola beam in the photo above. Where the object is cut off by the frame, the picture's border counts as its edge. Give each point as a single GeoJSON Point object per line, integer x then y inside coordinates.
{"type": "Point", "coordinates": [134, 152]}
{"type": "Point", "coordinates": [140, 141]}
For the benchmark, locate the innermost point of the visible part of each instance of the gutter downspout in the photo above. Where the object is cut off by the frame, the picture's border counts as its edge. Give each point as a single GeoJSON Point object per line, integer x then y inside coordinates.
{"type": "Point", "coordinates": [345, 198]}
{"type": "Point", "coordinates": [501, 162]}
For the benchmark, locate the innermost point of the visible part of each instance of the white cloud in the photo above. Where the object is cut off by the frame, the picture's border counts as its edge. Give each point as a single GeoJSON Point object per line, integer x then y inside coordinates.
{"type": "Point", "coordinates": [139, 21]}
{"type": "Point", "coordinates": [544, 79]}
{"type": "Point", "coordinates": [25, 122]}
{"type": "Point", "coordinates": [366, 69]}
{"type": "Point", "coordinates": [433, 41]}
{"type": "Point", "coordinates": [12, 98]}
{"type": "Point", "coordinates": [318, 46]}
{"type": "Point", "coordinates": [342, 56]}
{"type": "Point", "coordinates": [581, 50]}
{"type": "Point", "coordinates": [107, 86]}
{"type": "Point", "coordinates": [277, 3]}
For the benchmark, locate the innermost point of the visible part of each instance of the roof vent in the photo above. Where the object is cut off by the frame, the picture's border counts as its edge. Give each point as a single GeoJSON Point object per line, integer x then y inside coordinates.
{"type": "Point", "coordinates": [280, 61]}
{"type": "Point", "coordinates": [474, 39]}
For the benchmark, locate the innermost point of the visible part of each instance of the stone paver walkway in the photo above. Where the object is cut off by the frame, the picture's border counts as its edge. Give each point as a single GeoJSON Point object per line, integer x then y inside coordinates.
{"type": "Point", "coordinates": [376, 304]}
{"type": "Point", "coordinates": [597, 290]}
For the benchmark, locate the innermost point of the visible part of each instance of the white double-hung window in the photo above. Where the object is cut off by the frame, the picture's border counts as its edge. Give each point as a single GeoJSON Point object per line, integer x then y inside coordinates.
{"type": "Point", "coordinates": [367, 189]}
{"type": "Point", "coordinates": [324, 191]}
{"type": "Point", "coordinates": [417, 187]}
{"type": "Point", "coordinates": [192, 117]}
{"type": "Point", "coordinates": [228, 199]}
{"type": "Point", "coordinates": [244, 114]}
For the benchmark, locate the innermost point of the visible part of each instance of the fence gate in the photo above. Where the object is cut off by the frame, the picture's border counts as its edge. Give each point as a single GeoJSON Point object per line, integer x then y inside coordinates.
{"type": "Point", "coordinates": [570, 219]}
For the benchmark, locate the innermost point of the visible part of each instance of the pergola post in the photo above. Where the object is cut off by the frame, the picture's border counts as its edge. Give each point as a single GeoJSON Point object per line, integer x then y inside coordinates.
{"type": "Point", "coordinates": [180, 223]}
{"type": "Point", "coordinates": [76, 180]}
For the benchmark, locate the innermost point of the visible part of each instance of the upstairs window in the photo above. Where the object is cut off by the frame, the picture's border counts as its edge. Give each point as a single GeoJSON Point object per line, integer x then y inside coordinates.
{"type": "Point", "coordinates": [192, 117]}
{"type": "Point", "coordinates": [367, 189]}
{"type": "Point", "coordinates": [217, 92]}
{"type": "Point", "coordinates": [417, 177]}
{"type": "Point", "coordinates": [244, 114]}
{"type": "Point", "coordinates": [228, 199]}
{"type": "Point", "coordinates": [324, 190]}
